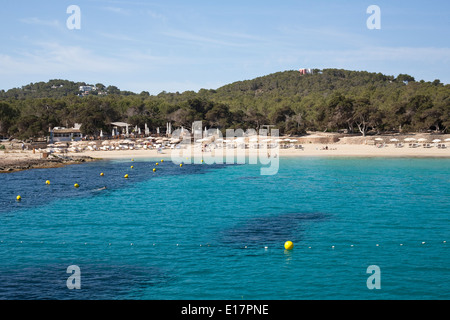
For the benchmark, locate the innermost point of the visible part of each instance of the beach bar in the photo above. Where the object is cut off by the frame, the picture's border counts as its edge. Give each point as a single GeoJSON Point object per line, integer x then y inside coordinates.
{"type": "Point", "coordinates": [62, 134]}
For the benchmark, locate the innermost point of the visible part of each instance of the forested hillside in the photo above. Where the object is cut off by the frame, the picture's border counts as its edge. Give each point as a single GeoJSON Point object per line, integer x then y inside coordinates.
{"type": "Point", "coordinates": [327, 100]}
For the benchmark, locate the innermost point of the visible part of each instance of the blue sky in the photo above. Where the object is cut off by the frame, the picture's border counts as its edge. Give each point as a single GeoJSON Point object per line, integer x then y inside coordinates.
{"type": "Point", "coordinates": [176, 45]}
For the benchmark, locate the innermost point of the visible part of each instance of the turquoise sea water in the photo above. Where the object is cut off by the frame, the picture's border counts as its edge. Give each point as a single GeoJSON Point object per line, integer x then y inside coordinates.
{"type": "Point", "coordinates": [218, 231]}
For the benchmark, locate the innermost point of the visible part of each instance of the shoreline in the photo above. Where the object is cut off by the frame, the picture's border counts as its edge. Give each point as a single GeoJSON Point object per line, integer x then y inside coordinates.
{"type": "Point", "coordinates": [25, 160]}
{"type": "Point", "coordinates": [28, 161]}
{"type": "Point", "coordinates": [309, 150]}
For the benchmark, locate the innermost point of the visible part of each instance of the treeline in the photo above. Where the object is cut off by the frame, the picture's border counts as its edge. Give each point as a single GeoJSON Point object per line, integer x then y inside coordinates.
{"type": "Point", "coordinates": [328, 100]}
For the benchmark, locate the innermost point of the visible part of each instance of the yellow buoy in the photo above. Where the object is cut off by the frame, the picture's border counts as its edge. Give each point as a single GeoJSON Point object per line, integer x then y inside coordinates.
{"type": "Point", "coordinates": [47, 182]}
{"type": "Point", "coordinates": [102, 174]}
{"type": "Point", "coordinates": [126, 176]}
{"type": "Point", "coordinates": [76, 185]}
{"type": "Point", "coordinates": [181, 164]}
{"type": "Point", "coordinates": [154, 169]}
{"type": "Point", "coordinates": [19, 198]}
{"type": "Point", "coordinates": [289, 245]}
{"type": "Point", "coordinates": [162, 160]}
{"type": "Point", "coordinates": [157, 163]}
{"type": "Point", "coordinates": [132, 159]}
{"type": "Point", "coordinates": [132, 167]}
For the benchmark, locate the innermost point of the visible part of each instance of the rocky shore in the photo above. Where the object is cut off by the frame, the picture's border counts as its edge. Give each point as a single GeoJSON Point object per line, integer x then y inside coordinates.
{"type": "Point", "coordinates": [8, 164]}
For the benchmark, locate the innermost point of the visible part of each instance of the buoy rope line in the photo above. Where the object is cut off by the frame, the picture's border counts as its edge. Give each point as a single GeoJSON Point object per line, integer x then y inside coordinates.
{"type": "Point", "coordinates": [76, 185]}
{"type": "Point", "coordinates": [409, 244]}
{"type": "Point", "coordinates": [288, 244]}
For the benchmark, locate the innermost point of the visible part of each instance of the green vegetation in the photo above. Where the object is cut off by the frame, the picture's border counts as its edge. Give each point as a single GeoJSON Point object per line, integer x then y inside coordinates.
{"type": "Point", "coordinates": [328, 100]}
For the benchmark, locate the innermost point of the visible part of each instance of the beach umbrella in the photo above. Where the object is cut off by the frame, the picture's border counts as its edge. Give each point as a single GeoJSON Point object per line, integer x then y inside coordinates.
{"type": "Point", "coordinates": [379, 139]}
{"type": "Point", "coordinates": [394, 140]}
{"type": "Point", "coordinates": [436, 140]}
{"type": "Point", "coordinates": [448, 139]}
{"type": "Point", "coordinates": [410, 139]}
{"type": "Point", "coordinates": [422, 140]}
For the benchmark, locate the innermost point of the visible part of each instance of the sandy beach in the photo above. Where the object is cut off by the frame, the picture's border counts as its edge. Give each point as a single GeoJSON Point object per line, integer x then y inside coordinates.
{"type": "Point", "coordinates": [311, 150]}
{"type": "Point", "coordinates": [324, 145]}
{"type": "Point", "coordinates": [316, 144]}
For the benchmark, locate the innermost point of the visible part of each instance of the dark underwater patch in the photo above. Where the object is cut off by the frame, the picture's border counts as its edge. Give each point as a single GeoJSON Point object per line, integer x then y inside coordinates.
{"type": "Point", "coordinates": [269, 230]}
{"type": "Point", "coordinates": [98, 282]}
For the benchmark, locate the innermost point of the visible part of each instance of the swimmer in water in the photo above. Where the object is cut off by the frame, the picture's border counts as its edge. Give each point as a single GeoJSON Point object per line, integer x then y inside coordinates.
{"type": "Point", "coordinates": [100, 189]}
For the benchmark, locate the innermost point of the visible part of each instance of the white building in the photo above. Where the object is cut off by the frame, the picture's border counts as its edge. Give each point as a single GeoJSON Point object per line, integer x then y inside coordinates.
{"type": "Point", "coordinates": [87, 88]}
{"type": "Point", "coordinates": [62, 134]}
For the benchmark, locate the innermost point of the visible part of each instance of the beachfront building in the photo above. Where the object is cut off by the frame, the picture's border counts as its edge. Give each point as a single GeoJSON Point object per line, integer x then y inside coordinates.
{"type": "Point", "coordinates": [62, 134]}
{"type": "Point", "coordinates": [120, 128]}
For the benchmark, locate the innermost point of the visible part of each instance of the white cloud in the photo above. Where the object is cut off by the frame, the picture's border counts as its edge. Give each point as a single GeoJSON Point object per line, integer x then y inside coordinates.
{"type": "Point", "coordinates": [214, 39]}
{"type": "Point", "coordinates": [117, 36]}
{"type": "Point", "coordinates": [156, 15]}
{"type": "Point", "coordinates": [118, 10]}
{"type": "Point", "coordinates": [125, 68]}
{"type": "Point", "coordinates": [422, 55]}
{"type": "Point", "coordinates": [37, 21]}
{"type": "Point", "coordinates": [51, 57]}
